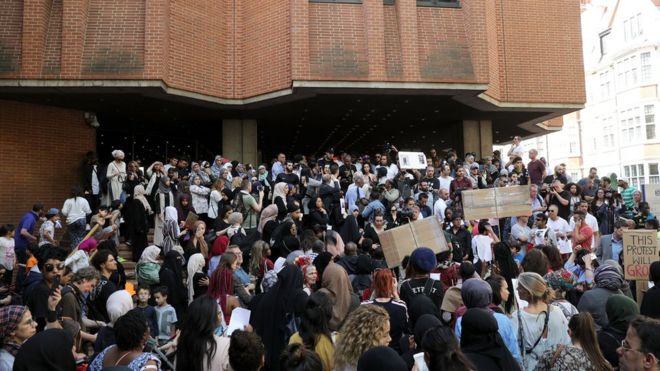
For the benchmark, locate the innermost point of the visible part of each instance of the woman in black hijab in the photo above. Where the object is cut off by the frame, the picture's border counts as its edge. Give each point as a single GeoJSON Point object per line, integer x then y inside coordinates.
{"type": "Point", "coordinates": [482, 344]}
{"type": "Point", "coordinates": [381, 358]}
{"type": "Point", "coordinates": [274, 315]}
{"type": "Point", "coordinates": [350, 230]}
{"type": "Point", "coordinates": [47, 350]}
{"type": "Point", "coordinates": [320, 262]}
{"type": "Point", "coordinates": [171, 276]}
{"type": "Point", "coordinates": [422, 324]}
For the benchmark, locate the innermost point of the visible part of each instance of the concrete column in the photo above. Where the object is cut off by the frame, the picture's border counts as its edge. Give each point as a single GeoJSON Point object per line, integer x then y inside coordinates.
{"type": "Point", "coordinates": [239, 140]}
{"type": "Point", "coordinates": [478, 137]}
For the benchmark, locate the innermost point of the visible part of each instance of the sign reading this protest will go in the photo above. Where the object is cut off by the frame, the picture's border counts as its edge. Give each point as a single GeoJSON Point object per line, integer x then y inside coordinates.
{"type": "Point", "coordinates": [640, 249]}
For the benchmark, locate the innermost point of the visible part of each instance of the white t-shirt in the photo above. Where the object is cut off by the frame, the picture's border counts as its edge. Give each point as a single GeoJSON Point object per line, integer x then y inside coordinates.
{"type": "Point", "coordinates": [75, 209]}
{"type": "Point", "coordinates": [439, 209]}
{"type": "Point", "coordinates": [445, 182]}
{"type": "Point", "coordinates": [47, 226]}
{"type": "Point", "coordinates": [7, 255]}
{"type": "Point", "coordinates": [560, 225]}
{"type": "Point", "coordinates": [481, 248]}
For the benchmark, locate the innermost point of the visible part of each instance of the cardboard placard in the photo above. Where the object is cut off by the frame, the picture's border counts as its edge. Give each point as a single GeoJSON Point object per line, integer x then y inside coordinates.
{"type": "Point", "coordinates": [651, 193]}
{"type": "Point", "coordinates": [401, 241]}
{"type": "Point", "coordinates": [496, 202]}
{"type": "Point", "coordinates": [640, 249]}
{"type": "Point", "coordinates": [412, 160]}
{"type": "Point", "coordinates": [191, 219]}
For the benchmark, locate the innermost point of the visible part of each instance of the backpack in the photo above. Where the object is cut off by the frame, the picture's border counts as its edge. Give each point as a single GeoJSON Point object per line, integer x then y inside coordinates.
{"type": "Point", "coordinates": [238, 204]}
{"type": "Point", "coordinates": [148, 273]}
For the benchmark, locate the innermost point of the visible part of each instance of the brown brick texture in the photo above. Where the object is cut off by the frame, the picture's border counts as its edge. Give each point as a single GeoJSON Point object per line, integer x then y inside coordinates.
{"type": "Point", "coordinates": [526, 51]}
{"type": "Point", "coordinates": [42, 153]}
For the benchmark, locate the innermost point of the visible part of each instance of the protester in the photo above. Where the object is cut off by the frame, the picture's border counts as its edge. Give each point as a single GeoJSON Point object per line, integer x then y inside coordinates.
{"type": "Point", "coordinates": [651, 302]}
{"type": "Point", "coordinates": [131, 333]}
{"type": "Point", "coordinates": [16, 326]}
{"type": "Point", "coordinates": [609, 281]}
{"type": "Point", "coordinates": [482, 344]}
{"type": "Point", "coordinates": [246, 351]}
{"type": "Point", "coordinates": [381, 358]}
{"type": "Point", "coordinates": [47, 350]}
{"type": "Point", "coordinates": [386, 295]}
{"type": "Point", "coordinates": [118, 304]}
{"type": "Point", "coordinates": [314, 332]}
{"type": "Point", "coordinates": [365, 328]}
{"type": "Point", "coordinates": [335, 282]}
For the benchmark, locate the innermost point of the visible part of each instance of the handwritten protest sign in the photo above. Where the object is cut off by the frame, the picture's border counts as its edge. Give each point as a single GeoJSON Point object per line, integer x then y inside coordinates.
{"type": "Point", "coordinates": [640, 249]}
{"type": "Point", "coordinates": [496, 202]}
{"type": "Point", "coordinates": [401, 241]}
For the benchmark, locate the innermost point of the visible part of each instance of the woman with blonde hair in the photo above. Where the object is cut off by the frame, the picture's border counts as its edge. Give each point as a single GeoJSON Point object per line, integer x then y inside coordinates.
{"type": "Point", "coordinates": [365, 328]}
{"type": "Point", "coordinates": [539, 326]}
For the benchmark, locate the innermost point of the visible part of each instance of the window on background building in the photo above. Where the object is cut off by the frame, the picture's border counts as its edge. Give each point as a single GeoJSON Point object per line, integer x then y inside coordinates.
{"type": "Point", "coordinates": [608, 133]}
{"type": "Point", "coordinates": [605, 85]}
{"type": "Point", "coordinates": [635, 173]}
{"type": "Point", "coordinates": [574, 176]}
{"type": "Point", "coordinates": [632, 27]}
{"type": "Point", "coordinates": [574, 138]}
{"type": "Point", "coordinates": [649, 120]}
{"type": "Point", "coordinates": [440, 3]}
{"type": "Point", "coordinates": [647, 68]}
{"type": "Point", "coordinates": [604, 42]}
{"type": "Point", "coordinates": [654, 175]}
{"type": "Point", "coordinates": [631, 125]}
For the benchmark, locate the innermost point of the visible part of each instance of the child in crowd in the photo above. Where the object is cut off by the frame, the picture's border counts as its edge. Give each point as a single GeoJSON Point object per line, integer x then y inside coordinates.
{"type": "Point", "coordinates": [143, 296]}
{"type": "Point", "coordinates": [47, 230]}
{"type": "Point", "coordinates": [166, 316]}
{"type": "Point", "coordinates": [7, 254]}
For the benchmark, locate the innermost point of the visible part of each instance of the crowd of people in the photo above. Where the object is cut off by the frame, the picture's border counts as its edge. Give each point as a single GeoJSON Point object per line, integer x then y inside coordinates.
{"type": "Point", "coordinates": [296, 243]}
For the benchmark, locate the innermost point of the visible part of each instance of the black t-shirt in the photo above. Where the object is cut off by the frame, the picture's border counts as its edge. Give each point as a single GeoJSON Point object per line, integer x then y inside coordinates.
{"type": "Point", "coordinates": [97, 307]}
{"type": "Point", "coordinates": [287, 178]}
{"type": "Point", "coordinates": [36, 299]}
{"type": "Point", "coordinates": [562, 211]}
{"type": "Point", "coordinates": [346, 173]}
{"type": "Point", "coordinates": [398, 320]}
{"type": "Point", "coordinates": [422, 286]}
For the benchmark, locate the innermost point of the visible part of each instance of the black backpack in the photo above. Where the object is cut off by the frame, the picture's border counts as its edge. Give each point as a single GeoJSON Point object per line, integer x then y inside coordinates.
{"type": "Point", "coordinates": [239, 205]}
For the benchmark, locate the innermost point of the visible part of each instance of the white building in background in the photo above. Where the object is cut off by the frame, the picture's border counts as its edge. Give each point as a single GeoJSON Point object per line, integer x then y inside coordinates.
{"type": "Point", "coordinates": [617, 131]}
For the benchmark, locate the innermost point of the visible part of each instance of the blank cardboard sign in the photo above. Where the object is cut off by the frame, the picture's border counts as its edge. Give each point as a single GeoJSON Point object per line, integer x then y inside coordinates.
{"type": "Point", "coordinates": [496, 202]}
{"type": "Point", "coordinates": [401, 241]}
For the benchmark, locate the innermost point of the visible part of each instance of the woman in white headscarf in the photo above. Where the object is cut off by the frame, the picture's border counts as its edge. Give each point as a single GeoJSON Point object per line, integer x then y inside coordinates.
{"type": "Point", "coordinates": [116, 175]}
{"type": "Point", "coordinates": [148, 267]}
{"type": "Point", "coordinates": [196, 277]}
{"type": "Point", "coordinates": [118, 304]}
{"type": "Point", "coordinates": [279, 198]}
{"type": "Point", "coordinates": [171, 230]}
{"type": "Point", "coordinates": [216, 168]}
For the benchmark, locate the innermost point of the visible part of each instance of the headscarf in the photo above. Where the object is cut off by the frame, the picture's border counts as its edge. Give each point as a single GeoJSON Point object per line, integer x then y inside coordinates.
{"type": "Point", "coordinates": [150, 255]}
{"type": "Point", "coordinates": [215, 168]}
{"type": "Point", "coordinates": [281, 189]}
{"type": "Point", "coordinates": [608, 277]}
{"type": "Point", "coordinates": [195, 265]}
{"type": "Point", "coordinates": [419, 306]}
{"type": "Point", "coordinates": [118, 304]}
{"type": "Point", "coordinates": [381, 358]}
{"type": "Point", "coordinates": [219, 246]}
{"type": "Point", "coordinates": [423, 324]}
{"type": "Point", "coordinates": [620, 311]}
{"type": "Point", "coordinates": [172, 216]}
{"type": "Point", "coordinates": [181, 211]}
{"type": "Point", "coordinates": [174, 262]}
{"type": "Point", "coordinates": [10, 316]}
{"type": "Point", "coordinates": [267, 214]}
{"type": "Point", "coordinates": [204, 177]}
{"type": "Point", "coordinates": [476, 293]}
{"type": "Point", "coordinates": [561, 280]}
{"type": "Point", "coordinates": [270, 315]}
{"type": "Point", "coordinates": [321, 262]}
{"type": "Point", "coordinates": [138, 194]}
{"type": "Point", "coordinates": [479, 335]}
{"type": "Point", "coordinates": [336, 281]}
{"type": "Point", "coordinates": [47, 350]}
{"type": "Point", "coordinates": [162, 185]}
{"type": "Point", "coordinates": [88, 245]}
{"type": "Point", "coordinates": [350, 230]}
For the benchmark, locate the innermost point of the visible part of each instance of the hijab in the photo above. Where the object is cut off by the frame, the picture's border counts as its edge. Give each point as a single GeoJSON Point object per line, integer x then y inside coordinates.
{"type": "Point", "coordinates": [321, 262]}
{"type": "Point", "coordinates": [215, 168]}
{"type": "Point", "coordinates": [480, 337]}
{"type": "Point", "coordinates": [421, 305]}
{"type": "Point", "coordinates": [281, 190]}
{"type": "Point", "coordinates": [118, 304]}
{"type": "Point", "coordinates": [173, 261]}
{"type": "Point", "coordinates": [204, 177]}
{"type": "Point", "coordinates": [381, 358]}
{"type": "Point", "coordinates": [476, 293]}
{"type": "Point", "coordinates": [270, 316]}
{"type": "Point", "coordinates": [423, 324]}
{"type": "Point", "coordinates": [150, 255]}
{"type": "Point", "coordinates": [267, 214]}
{"type": "Point", "coordinates": [10, 316]}
{"type": "Point", "coordinates": [195, 265]}
{"type": "Point", "coordinates": [138, 194]}
{"type": "Point", "coordinates": [620, 311]}
{"type": "Point", "coordinates": [350, 230]}
{"type": "Point", "coordinates": [219, 246]}
{"type": "Point", "coordinates": [181, 211]}
{"type": "Point", "coordinates": [46, 350]}
{"type": "Point", "coordinates": [336, 281]}
{"type": "Point", "coordinates": [608, 277]}
{"type": "Point", "coordinates": [171, 214]}
{"type": "Point", "coordinates": [88, 245]}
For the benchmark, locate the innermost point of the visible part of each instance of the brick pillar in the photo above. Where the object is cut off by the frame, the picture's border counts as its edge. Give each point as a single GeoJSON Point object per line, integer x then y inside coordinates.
{"type": "Point", "coordinates": [239, 140]}
{"type": "Point", "coordinates": [373, 11]}
{"type": "Point", "coordinates": [407, 18]}
{"type": "Point", "coordinates": [300, 40]}
{"type": "Point", "coordinates": [35, 26]}
{"type": "Point", "coordinates": [74, 26]}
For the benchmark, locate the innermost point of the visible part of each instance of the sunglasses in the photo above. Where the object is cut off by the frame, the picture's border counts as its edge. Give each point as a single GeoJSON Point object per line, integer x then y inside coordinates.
{"type": "Point", "coordinates": [51, 267]}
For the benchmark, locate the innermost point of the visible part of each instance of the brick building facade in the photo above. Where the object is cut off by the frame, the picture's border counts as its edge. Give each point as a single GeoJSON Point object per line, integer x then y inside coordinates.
{"type": "Point", "coordinates": [485, 70]}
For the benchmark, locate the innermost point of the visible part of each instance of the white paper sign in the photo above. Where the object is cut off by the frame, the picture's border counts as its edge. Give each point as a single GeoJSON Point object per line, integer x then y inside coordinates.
{"type": "Point", "coordinates": [435, 276]}
{"type": "Point", "coordinates": [239, 319]}
{"type": "Point", "coordinates": [412, 160]}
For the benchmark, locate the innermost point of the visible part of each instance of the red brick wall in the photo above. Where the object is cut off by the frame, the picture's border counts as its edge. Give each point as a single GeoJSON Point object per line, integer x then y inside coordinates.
{"type": "Point", "coordinates": [42, 152]}
{"type": "Point", "coordinates": [527, 51]}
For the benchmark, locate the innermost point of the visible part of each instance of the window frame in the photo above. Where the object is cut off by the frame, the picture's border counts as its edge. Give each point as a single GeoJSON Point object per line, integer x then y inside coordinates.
{"type": "Point", "coordinates": [439, 3]}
